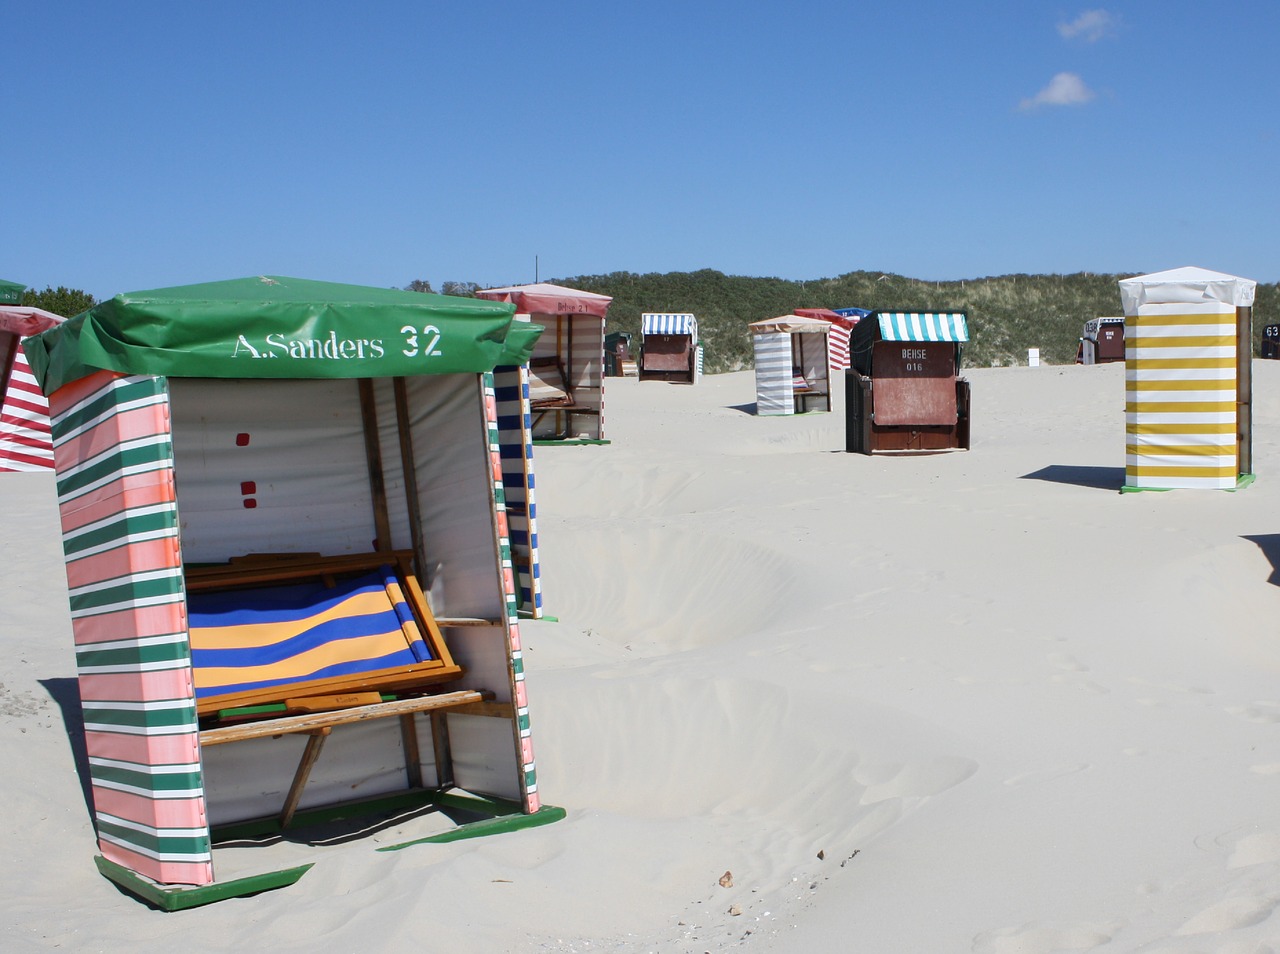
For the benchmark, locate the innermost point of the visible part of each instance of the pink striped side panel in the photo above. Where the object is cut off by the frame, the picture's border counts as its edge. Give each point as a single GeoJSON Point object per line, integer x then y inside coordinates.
{"type": "Point", "coordinates": [114, 462]}
{"type": "Point", "coordinates": [25, 443]}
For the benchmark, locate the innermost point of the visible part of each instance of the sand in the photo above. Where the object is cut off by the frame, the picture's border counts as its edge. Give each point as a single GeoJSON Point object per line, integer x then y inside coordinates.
{"type": "Point", "coordinates": [959, 702]}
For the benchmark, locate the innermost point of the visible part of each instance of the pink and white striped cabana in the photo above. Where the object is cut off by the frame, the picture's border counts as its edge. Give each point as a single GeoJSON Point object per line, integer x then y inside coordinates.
{"type": "Point", "coordinates": [24, 414]}
{"type": "Point", "coordinates": [570, 354]}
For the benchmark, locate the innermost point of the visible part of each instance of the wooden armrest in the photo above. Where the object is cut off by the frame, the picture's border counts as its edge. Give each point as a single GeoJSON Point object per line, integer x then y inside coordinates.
{"type": "Point", "coordinates": [315, 721]}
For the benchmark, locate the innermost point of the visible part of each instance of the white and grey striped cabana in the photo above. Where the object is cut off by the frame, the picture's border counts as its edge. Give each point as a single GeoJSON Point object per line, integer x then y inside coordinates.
{"type": "Point", "coordinates": [792, 365]}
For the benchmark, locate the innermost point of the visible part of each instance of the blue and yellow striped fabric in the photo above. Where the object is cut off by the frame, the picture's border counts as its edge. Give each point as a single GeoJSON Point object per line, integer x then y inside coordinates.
{"type": "Point", "coordinates": [253, 639]}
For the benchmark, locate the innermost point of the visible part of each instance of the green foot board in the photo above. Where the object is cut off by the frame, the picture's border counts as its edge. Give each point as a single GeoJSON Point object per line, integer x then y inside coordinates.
{"type": "Point", "coordinates": [180, 897]}
{"type": "Point", "coordinates": [497, 824]}
{"type": "Point", "coordinates": [1243, 481]}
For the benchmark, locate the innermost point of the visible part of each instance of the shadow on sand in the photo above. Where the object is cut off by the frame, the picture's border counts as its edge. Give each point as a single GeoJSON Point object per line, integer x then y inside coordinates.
{"type": "Point", "coordinates": [66, 693]}
{"type": "Point", "coordinates": [1099, 478]}
{"type": "Point", "coordinates": [1269, 544]}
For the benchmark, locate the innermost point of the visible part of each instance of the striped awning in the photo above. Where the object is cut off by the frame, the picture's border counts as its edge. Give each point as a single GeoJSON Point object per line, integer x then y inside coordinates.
{"type": "Point", "coordinates": [922, 326]}
{"type": "Point", "coordinates": [665, 324]}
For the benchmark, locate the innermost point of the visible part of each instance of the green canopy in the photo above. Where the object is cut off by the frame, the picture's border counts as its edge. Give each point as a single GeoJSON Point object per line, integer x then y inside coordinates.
{"type": "Point", "coordinates": [11, 292]}
{"type": "Point", "coordinates": [273, 327]}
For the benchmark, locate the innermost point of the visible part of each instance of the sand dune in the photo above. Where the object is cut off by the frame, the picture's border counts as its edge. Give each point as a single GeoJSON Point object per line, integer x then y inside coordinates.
{"type": "Point", "coordinates": [961, 702]}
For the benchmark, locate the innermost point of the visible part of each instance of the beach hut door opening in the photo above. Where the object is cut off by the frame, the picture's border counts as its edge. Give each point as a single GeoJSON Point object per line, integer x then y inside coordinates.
{"type": "Point", "coordinates": [353, 481]}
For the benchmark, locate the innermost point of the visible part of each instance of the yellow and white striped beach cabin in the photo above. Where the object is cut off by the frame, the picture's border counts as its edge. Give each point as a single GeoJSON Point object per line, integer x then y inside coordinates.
{"type": "Point", "coordinates": [1187, 383]}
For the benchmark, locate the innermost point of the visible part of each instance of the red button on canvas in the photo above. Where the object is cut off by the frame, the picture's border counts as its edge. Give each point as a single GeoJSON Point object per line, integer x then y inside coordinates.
{"type": "Point", "coordinates": [242, 440]}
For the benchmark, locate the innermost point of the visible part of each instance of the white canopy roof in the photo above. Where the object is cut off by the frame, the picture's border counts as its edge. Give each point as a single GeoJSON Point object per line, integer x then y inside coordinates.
{"type": "Point", "coordinates": [1187, 285]}
{"type": "Point", "coordinates": [788, 324]}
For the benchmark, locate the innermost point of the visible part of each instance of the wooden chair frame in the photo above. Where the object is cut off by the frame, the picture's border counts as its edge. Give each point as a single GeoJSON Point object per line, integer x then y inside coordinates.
{"type": "Point", "coordinates": [567, 404]}
{"type": "Point", "coordinates": [264, 570]}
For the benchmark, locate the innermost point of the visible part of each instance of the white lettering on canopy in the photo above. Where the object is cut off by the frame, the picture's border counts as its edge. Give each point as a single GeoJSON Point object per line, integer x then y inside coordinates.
{"type": "Point", "coordinates": [331, 348]}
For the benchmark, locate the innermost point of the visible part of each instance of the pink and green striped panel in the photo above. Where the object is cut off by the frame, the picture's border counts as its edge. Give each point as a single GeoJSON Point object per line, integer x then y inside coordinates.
{"type": "Point", "coordinates": [114, 460]}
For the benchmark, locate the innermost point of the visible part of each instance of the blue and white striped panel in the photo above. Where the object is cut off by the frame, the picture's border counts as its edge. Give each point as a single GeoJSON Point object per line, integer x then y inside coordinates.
{"type": "Point", "coordinates": [515, 449]}
{"type": "Point", "coordinates": [668, 324]}
{"type": "Point", "coordinates": [923, 326]}
{"type": "Point", "coordinates": [774, 391]}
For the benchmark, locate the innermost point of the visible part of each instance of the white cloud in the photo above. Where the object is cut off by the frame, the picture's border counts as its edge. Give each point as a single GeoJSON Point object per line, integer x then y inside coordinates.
{"type": "Point", "coordinates": [1091, 26]}
{"type": "Point", "coordinates": [1065, 89]}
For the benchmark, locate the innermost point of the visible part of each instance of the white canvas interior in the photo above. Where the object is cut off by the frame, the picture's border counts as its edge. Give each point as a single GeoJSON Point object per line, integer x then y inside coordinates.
{"type": "Point", "coordinates": [305, 466]}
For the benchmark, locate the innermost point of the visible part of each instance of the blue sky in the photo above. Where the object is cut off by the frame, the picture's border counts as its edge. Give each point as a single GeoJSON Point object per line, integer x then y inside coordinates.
{"type": "Point", "coordinates": [154, 144]}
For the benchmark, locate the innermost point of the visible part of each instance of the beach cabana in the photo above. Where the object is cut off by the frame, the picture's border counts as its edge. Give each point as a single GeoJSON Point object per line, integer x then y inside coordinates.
{"type": "Point", "coordinates": [25, 444]}
{"type": "Point", "coordinates": [903, 391]}
{"type": "Point", "coordinates": [11, 292]}
{"type": "Point", "coordinates": [618, 362]}
{"type": "Point", "coordinates": [1188, 386]}
{"type": "Point", "coordinates": [566, 370]}
{"type": "Point", "coordinates": [1102, 341]}
{"type": "Point", "coordinates": [289, 567]}
{"type": "Point", "coordinates": [792, 365]}
{"type": "Point", "coordinates": [842, 321]}
{"type": "Point", "coordinates": [669, 348]}
{"type": "Point", "coordinates": [1270, 342]}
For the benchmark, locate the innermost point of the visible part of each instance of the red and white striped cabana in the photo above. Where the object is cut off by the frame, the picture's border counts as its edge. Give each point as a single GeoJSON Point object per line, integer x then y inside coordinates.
{"type": "Point", "coordinates": [24, 417]}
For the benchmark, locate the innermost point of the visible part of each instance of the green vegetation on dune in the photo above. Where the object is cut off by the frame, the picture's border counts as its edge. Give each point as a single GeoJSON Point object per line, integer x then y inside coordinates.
{"type": "Point", "coordinates": [1007, 313]}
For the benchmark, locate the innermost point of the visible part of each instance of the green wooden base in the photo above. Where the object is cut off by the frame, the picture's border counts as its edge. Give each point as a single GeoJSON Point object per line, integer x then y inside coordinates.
{"type": "Point", "coordinates": [566, 441]}
{"type": "Point", "coordinates": [494, 816]}
{"type": "Point", "coordinates": [180, 897]}
{"type": "Point", "coordinates": [1243, 481]}
{"type": "Point", "coordinates": [495, 825]}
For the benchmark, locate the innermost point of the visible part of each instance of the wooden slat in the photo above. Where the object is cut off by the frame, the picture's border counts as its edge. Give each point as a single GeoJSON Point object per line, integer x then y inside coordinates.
{"type": "Point", "coordinates": [409, 739]}
{"type": "Point", "coordinates": [373, 456]}
{"type": "Point", "coordinates": [442, 748]}
{"type": "Point", "coordinates": [330, 702]}
{"type": "Point", "coordinates": [409, 468]}
{"type": "Point", "coordinates": [443, 621]}
{"type": "Point", "coordinates": [250, 570]}
{"type": "Point", "coordinates": [319, 720]}
{"type": "Point", "coordinates": [309, 755]}
{"type": "Point", "coordinates": [493, 710]}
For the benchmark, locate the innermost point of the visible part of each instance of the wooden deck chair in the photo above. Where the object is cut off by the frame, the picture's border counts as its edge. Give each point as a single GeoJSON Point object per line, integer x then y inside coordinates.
{"type": "Point", "coordinates": [548, 384]}
{"type": "Point", "coordinates": [277, 630]}
{"type": "Point", "coordinates": [551, 393]}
